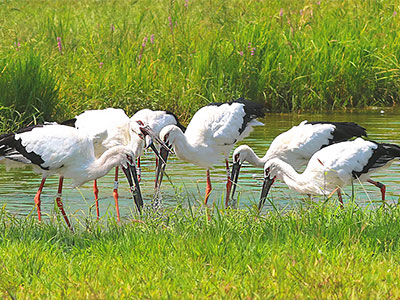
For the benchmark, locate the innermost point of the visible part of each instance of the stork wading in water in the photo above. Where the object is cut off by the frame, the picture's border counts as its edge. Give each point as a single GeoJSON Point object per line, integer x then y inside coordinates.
{"type": "Point", "coordinates": [122, 130]}
{"type": "Point", "coordinates": [333, 167]}
{"type": "Point", "coordinates": [154, 121]}
{"type": "Point", "coordinates": [63, 150]}
{"type": "Point", "coordinates": [297, 145]}
{"type": "Point", "coordinates": [211, 135]}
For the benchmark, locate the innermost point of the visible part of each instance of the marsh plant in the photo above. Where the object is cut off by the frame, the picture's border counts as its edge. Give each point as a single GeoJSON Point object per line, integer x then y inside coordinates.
{"type": "Point", "coordinates": [28, 91]}
{"type": "Point", "coordinates": [180, 55]}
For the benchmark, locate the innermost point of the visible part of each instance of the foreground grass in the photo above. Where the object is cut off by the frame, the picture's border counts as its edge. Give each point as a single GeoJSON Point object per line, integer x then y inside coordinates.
{"type": "Point", "coordinates": [180, 55]}
{"type": "Point", "coordinates": [316, 252]}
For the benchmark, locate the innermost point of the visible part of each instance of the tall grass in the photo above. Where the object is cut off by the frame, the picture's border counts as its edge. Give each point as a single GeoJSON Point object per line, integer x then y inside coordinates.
{"type": "Point", "coordinates": [319, 252]}
{"type": "Point", "coordinates": [180, 55]}
{"type": "Point", "coordinates": [28, 91]}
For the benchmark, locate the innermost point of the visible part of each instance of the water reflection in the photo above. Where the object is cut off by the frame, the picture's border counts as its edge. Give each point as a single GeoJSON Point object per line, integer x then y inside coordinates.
{"type": "Point", "coordinates": [187, 182]}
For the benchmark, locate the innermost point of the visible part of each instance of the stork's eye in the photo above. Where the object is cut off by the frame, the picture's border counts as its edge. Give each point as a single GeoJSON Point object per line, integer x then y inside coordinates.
{"type": "Point", "coordinates": [267, 170]}
{"type": "Point", "coordinates": [236, 158]}
{"type": "Point", "coordinates": [140, 123]}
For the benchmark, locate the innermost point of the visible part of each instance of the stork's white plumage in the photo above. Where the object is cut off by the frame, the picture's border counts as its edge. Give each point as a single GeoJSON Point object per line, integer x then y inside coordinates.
{"type": "Point", "coordinates": [157, 119]}
{"type": "Point", "coordinates": [115, 123]}
{"type": "Point", "coordinates": [62, 150]}
{"type": "Point", "coordinates": [212, 133]}
{"type": "Point", "coordinates": [121, 130]}
{"type": "Point", "coordinates": [297, 145]}
{"type": "Point", "coordinates": [333, 167]}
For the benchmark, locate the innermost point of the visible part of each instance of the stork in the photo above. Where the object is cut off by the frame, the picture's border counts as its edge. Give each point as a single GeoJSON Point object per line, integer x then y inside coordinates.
{"type": "Point", "coordinates": [213, 130]}
{"type": "Point", "coordinates": [333, 167]}
{"type": "Point", "coordinates": [66, 151]}
{"type": "Point", "coordinates": [121, 130]}
{"type": "Point", "coordinates": [154, 121]}
{"type": "Point", "coordinates": [297, 145]}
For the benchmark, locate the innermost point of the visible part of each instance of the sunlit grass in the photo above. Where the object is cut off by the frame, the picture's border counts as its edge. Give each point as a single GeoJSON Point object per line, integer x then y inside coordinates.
{"type": "Point", "coordinates": [317, 251]}
{"type": "Point", "coordinates": [179, 55]}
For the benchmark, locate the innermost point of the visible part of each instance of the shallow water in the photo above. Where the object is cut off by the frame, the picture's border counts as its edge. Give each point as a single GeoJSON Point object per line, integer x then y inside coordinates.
{"type": "Point", "coordinates": [18, 186]}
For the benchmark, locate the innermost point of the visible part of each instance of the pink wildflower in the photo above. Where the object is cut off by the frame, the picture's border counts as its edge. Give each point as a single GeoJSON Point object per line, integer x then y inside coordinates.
{"type": "Point", "coordinates": [59, 44]}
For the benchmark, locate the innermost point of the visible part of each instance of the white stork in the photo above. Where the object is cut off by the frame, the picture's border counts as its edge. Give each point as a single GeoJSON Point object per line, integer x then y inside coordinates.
{"type": "Point", "coordinates": [63, 150]}
{"type": "Point", "coordinates": [297, 145]}
{"type": "Point", "coordinates": [154, 121]}
{"type": "Point", "coordinates": [213, 130]}
{"type": "Point", "coordinates": [121, 130]}
{"type": "Point", "coordinates": [333, 167]}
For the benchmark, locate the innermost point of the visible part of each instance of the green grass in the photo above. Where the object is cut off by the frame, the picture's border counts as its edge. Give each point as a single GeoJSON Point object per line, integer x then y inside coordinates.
{"type": "Point", "coordinates": [309, 55]}
{"type": "Point", "coordinates": [312, 252]}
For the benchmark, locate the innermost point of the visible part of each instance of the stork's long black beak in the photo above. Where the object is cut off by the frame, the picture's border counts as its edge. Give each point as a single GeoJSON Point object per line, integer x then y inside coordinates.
{"type": "Point", "coordinates": [161, 168]}
{"type": "Point", "coordinates": [234, 177]}
{"type": "Point", "coordinates": [146, 130]}
{"type": "Point", "coordinates": [131, 175]}
{"type": "Point", "coordinates": [268, 182]}
{"type": "Point", "coordinates": [158, 154]}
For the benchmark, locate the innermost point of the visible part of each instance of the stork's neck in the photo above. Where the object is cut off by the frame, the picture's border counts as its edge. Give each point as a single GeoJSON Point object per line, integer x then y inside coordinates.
{"type": "Point", "coordinates": [109, 159]}
{"type": "Point", "coordinates": [136, 145]}
{"type": "Point", "coordinates": [295, 181]}
{"type": "Point", "coordinates": [182, 147]}
{"type": "Point", "coordinates": [253, 159]}
{"type": "Point", "coordinates": [270, 155]}
{"type": "Point", "coordinates": [257, 161]}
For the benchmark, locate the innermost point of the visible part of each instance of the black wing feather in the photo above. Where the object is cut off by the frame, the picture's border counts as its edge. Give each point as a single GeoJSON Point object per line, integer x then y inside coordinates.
{"type": "Point", "coordinates": [383, 154]}
{"type": "Point", "coordinates": [12, 149]}
{"type": "Point", "coordinates": [344, 131]}
{"type": "Point", "coordinates": [70, 122]}
{"type": "Point", "coordinates": [252, 111]}
{"type": "Point", "coordinates": [179, 124]}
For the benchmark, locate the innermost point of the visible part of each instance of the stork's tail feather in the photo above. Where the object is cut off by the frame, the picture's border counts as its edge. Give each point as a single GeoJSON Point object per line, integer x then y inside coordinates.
{"type": "Point", "coordinates": [178, 124]}
{"type": "Point", "coordinates": [382, 155]}
{"type": "Point", "coordinates": [70, 122]}
{"type": "Point", "coordinates": [392, 149]}
{"type": "Point", "coordinates": [253, 109]}
{"type": "Point", "coordinates": [12, 148]}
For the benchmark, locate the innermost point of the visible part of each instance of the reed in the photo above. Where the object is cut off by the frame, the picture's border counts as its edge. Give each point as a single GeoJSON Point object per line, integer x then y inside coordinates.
{"type": "Point", "coordinates": [180, 55]}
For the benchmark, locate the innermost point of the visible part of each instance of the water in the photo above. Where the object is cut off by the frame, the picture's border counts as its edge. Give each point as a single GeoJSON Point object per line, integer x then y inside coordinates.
{"type": "Point", "coordinates": [18, 187]}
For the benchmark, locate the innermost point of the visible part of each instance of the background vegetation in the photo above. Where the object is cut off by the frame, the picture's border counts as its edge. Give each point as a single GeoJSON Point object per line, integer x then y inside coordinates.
{"type": "Point", "coordinates": [58, 58]}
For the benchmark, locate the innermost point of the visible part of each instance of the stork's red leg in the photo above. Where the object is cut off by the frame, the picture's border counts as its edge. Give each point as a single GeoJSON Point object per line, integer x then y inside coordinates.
{"type": "Point", "coordinates": [96, 198]}
{"type": "Point", "coordinates": [115, 193]}
{"type": "Point", "coordinates": [208, 188]}
{"type": "Point", "coordinates": [60, 204]}
{"type": "Point", "coordinates": [139, 170]}
{"type": "Point", "coordinates": [381, 186]}
{"type": "Point", "coordinates": [37, 198]}
{"type": "Point", "coordinates": [339, 193]}
{"type": "Point", "coordinates": [228, 183]}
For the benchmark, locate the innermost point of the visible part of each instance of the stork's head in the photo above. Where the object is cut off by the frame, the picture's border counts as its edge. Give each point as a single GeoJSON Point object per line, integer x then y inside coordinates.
{"type": "Point", "coordinates": [271, 171]}
{"type": "Point", "coordinates": [169, 134]}
{"type": "Point", "coordinates": [135, 129]}
{"type": "Point", "coordinates": [241, 154]}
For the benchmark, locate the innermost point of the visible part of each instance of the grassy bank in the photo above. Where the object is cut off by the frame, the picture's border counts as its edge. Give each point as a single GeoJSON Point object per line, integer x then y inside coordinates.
{"type": "Point", "coordinates": [315, 252]}
{"type": "Point", "coordinates": [182, 54]}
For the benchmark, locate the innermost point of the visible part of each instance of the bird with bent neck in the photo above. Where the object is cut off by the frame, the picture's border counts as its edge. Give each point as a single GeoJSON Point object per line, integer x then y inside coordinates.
{"type": "Point", "coordinates": [66, 151]}
{"type": "Point", "coordinates": [333, 167]}
{"type": "Point", "coordinates": [297, 145]}
{"type": "Point", "coordinates": [211, 135]}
